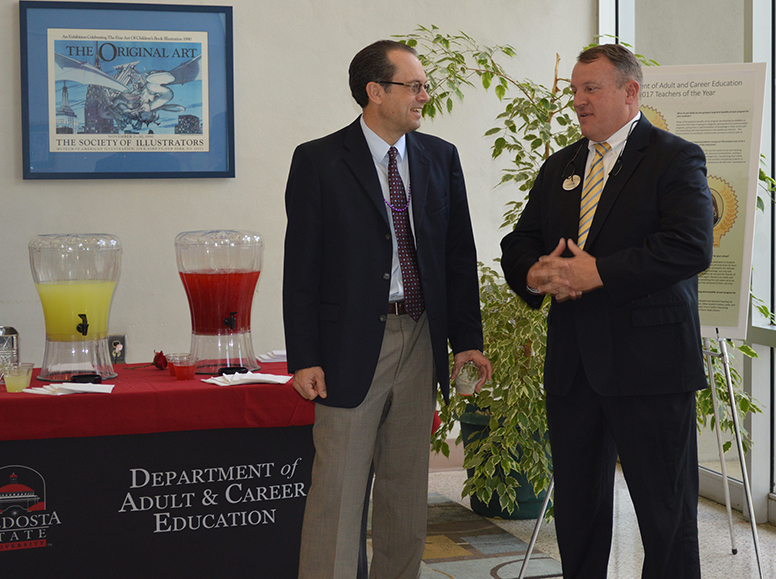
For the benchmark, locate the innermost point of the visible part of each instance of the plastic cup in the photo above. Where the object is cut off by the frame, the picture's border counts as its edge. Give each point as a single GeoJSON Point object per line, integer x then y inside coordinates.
{"type": "Point", "coordinates": [171, 358]}
{"type": "Point", "coordinates": [467, 379]}
{"type": "Point", "coordinates": [185, 367]}
{"type": "Point", "coordinates": [17, 377]}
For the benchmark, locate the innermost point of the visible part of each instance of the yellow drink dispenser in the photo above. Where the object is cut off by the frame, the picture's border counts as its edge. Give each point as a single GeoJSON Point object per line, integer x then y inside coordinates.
{"type": "Point", "coordinates": [76, 275]}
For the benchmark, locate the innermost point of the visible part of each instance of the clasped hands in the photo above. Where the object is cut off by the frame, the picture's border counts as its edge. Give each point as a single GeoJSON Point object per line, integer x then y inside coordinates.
{"type": "Point", "coordinates": [564, 278]}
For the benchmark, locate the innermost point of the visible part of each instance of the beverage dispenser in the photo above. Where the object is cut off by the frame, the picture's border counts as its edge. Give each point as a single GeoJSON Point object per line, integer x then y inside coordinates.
{"type": "Point", "coordinates": [219, 270]}
{"type": "Point", "coordinates": [76, 276]}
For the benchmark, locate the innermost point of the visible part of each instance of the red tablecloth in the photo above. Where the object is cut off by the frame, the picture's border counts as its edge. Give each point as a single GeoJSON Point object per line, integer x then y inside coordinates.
{"type": "Point", "coordinates": [147, 400]}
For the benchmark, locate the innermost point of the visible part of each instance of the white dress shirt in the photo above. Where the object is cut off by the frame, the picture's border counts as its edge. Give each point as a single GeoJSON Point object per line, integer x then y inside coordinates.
{"type": "Point", "coordinates": [617, 143]}
{"type": "Point", "coordinates": [379, 149]}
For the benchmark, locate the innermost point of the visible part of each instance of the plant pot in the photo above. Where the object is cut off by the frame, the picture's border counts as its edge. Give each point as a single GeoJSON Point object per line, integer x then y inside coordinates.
{"type": "Point", "coordinates": [527, 505]}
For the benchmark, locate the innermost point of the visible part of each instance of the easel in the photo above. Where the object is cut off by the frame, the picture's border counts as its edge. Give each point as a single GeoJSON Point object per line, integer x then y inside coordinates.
{"type": "Point", "coordinates": [538, 525]}
{"type": "Point", "coordinates": [723, 355]}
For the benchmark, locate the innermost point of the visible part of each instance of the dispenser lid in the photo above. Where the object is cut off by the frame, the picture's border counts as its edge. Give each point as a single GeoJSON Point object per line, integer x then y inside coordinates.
{"type": "Point", "coordinates": [75, 256]}
{"type": "Point", "coordinates": [219, 238]}
{"type": "Point", "coordinates": [219, 250]}
{"type": "Point", "coordinates": [75, 242]}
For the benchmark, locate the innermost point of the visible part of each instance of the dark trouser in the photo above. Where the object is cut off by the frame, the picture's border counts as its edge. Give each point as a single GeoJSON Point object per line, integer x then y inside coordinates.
{"type": "Point", "coordinates": [655, 438]}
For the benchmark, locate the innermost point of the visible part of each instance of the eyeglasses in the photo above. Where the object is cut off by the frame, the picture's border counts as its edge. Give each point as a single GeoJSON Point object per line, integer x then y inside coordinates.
{"type": "Point", "coordinates": [415, 86]}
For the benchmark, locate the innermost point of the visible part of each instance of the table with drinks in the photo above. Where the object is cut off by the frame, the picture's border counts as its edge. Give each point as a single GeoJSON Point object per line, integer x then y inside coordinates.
{"type": "Point", "coordinates": [133, 470]}
{"type": "Point", "coordinates": [161, 476]}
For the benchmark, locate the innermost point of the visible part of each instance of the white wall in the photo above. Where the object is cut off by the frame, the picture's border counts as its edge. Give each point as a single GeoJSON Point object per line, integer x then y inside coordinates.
{"type": "Point", "coordinates": [291, 62]}
{"type": "Point", "coordinates": [708, 32]}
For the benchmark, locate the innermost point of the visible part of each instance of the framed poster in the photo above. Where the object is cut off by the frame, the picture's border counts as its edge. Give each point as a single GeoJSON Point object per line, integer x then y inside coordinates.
{"type": "Point", "coordinates": [126, 90]}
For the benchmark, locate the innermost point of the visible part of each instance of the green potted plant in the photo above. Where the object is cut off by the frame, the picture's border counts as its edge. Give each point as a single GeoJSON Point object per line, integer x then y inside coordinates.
{"type": "Point", "coordinates": [504, 426]}
{"type": "Point", "coordinates": [506, 451]}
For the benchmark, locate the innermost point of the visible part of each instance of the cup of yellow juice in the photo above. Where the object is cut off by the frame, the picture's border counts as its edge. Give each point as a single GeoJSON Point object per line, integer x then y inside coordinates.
{"type": "Point", "coordinates": [17, 377]}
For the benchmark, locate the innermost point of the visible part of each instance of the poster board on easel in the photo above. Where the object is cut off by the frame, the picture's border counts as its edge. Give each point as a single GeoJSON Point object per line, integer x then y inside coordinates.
{"type": "Point", "coordinates": [720, 108]}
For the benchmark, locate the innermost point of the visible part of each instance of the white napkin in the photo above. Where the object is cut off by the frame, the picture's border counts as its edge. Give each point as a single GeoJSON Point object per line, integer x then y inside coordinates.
{"type": "Point", "coordinates": [273, 356]}
{"type": "Point", "coordinates": [246, 378]}
{"type": "Point", "coordinates": [70, 388]}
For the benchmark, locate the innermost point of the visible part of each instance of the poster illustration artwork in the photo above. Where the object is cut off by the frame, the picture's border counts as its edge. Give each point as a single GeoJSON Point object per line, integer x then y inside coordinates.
{"type": "Point", "coordinates": [125, 91]}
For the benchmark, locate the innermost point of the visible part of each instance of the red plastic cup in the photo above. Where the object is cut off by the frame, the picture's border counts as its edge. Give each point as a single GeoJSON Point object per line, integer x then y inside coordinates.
{"type": "Point", "coordinates": [171, 359]}
{"type": "Point", "coordinates": [185, 367]}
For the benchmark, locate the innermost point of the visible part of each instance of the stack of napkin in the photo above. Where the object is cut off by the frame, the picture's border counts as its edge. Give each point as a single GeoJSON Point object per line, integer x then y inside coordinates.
{"type": "Point", "coordinates": [70, 388]}
{"type": "Point", "coordinates": [246, 378]}
{"type": "Point", "coordinates": [273, 356]}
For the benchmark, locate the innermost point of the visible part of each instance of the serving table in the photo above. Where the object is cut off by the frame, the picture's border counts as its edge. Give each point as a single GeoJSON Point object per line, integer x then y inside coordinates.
{"type": "Point", "coordinates": [159, 478]}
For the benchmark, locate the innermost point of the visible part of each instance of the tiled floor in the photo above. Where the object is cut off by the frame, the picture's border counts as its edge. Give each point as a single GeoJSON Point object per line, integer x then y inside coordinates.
{"type": "Point", "coordinates": [717, 561]}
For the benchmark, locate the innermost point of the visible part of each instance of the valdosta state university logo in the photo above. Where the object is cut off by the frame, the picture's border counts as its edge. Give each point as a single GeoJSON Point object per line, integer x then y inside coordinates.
{"type": "Point", "coordinates": [25, 519]}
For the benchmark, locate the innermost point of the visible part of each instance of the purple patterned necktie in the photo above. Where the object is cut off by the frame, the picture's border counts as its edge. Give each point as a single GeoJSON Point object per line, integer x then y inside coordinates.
{"type": "Point", "coordinates": [408, 258]}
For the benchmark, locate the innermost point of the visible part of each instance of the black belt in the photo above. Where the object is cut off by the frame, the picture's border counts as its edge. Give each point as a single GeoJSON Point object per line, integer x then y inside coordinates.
{"type": "Point", "coordinates": [397, 308]}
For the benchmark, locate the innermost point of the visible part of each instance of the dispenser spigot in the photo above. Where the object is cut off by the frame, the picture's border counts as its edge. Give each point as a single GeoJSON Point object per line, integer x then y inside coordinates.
{"type": "Point", "coordinates": [231, 321]}
{"type": "Point", "coordinates": [83, 327]}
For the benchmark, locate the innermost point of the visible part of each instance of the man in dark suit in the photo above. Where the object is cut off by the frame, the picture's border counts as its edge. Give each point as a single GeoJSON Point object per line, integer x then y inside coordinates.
{"type": "Point", "coordinates": [380, 272]}
{"type": "Point", "coordinates": [616, 228]}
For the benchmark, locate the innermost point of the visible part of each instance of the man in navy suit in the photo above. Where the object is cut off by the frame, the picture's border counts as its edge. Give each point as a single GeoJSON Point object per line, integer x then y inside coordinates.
{"type": "Point", "coordinates": [616, 229]}
{"type": "Point", "coordinates": [380, 273]}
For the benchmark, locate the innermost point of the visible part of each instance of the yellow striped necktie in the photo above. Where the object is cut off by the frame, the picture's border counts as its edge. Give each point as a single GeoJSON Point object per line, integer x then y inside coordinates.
{"type": "Point", "coordinates": [594, 184]}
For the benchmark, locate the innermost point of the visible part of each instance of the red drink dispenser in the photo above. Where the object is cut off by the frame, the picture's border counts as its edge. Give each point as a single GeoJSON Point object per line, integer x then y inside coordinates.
{"type": "Point", "coordinates": [220, 270]}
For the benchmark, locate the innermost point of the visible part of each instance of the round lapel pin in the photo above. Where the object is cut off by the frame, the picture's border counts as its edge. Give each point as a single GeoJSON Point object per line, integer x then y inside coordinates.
{"type": "Point", "coordinates": [571, 182]}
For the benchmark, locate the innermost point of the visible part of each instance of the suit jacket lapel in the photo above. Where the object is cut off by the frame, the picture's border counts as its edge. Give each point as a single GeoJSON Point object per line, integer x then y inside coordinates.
{"type": "Point", "coordinates": [359, 159]}
{"type": "Point", "coordinates": [631, 157]}
{"type": "Point", "coordinates": [419, 178]}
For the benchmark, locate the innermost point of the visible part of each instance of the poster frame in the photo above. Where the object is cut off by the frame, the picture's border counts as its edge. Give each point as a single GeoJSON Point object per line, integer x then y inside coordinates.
{"type": "Point", "coordinates": [39, 162]}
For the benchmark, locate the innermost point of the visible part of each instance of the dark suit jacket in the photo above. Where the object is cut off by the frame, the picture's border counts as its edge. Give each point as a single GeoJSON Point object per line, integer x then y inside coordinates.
{"type": "Point", "coordinates": [651, 235]}
{"type": "Point", "coordinates": [338, 259]}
